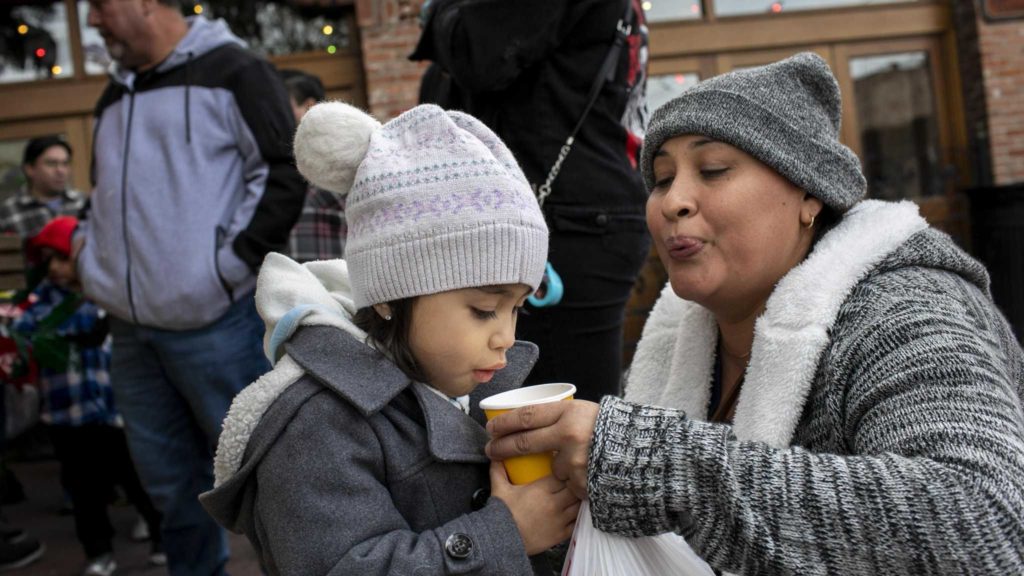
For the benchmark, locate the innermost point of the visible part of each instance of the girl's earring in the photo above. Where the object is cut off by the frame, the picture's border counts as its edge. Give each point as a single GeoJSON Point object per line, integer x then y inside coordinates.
{"type": "Point", "coordinates": [387, 317]}
{"type": "Point", "coordinates": [811, 223]}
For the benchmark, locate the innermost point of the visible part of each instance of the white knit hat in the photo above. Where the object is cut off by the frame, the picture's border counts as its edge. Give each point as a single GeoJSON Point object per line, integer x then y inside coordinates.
{"type": "Point", "coordinates": [436, 202]}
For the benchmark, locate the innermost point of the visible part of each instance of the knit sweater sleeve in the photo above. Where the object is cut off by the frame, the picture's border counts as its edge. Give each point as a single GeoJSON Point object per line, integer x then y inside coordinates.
{"type": "Point", "coordinates": [920, 392]}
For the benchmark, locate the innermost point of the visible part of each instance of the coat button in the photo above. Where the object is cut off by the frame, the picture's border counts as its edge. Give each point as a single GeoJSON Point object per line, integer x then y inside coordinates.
{"type": "Point", "coordinates": [458, 546]}
{"type": "Point", "coordinates": [479, 498]}
{"type": "Point", "coordinates": [601, 219]}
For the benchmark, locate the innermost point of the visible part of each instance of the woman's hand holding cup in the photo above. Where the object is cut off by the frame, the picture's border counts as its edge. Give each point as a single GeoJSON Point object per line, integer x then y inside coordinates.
{"type": "Point", "coordinates": [565, 428]}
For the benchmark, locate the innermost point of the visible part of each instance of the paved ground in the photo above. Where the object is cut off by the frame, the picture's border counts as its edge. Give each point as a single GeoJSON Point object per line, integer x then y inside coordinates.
{"type": "Point", "coordinates": [39, 516]}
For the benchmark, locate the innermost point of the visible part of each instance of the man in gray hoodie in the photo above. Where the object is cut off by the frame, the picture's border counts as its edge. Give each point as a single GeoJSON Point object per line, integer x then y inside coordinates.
{"type": "Point", "coordinates": [193, 184]}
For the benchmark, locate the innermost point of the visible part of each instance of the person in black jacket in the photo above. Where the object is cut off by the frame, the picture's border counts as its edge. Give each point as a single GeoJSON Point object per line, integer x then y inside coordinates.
{"type": "Point", "coordinates": [527, 69]}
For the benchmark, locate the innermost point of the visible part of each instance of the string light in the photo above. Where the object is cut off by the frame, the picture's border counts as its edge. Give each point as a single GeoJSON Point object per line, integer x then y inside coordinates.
{"type": "Point", "coordinates": [40, 53]}
{"type": "Point", "coordinates": [776, 7]}
{"type": "Point", "coordinates": [695, 8]}
{"type": "Point", "coordinates": [680, 79]}
{"type": "Point", "coordinates": [198, 8]}
{"type": "Point", "coordinates": [332, 49]}
{"type": "Point", "coordinates": [328, 30]}
{"type": "Point", "coordinates": [22, 29]}
{"type": "Point", "coordinates": [647, 6]}
{"type": "Point", "coordinates": [56, 70]}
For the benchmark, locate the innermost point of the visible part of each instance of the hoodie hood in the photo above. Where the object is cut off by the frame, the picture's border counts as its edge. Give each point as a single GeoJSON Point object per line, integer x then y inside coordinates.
{"type": "Point", "coordinates": [204, 35]}
{"type": "Point", "coordinates": [290, 295]}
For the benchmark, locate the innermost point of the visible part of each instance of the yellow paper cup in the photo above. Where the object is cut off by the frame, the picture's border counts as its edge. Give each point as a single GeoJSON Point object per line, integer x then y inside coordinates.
{"type": "Point", "coordinates": [526, 469]}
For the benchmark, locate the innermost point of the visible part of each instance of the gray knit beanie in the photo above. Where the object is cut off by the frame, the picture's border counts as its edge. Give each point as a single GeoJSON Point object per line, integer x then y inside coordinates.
{"type": "Point", "coordinates": [435, 201]}
{"type": "Point", "coordinates": [784, 114]}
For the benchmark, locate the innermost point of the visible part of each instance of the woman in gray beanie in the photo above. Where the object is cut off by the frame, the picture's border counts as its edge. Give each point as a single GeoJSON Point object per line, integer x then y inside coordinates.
{"type": "Point", "coordinates": [825, 386]}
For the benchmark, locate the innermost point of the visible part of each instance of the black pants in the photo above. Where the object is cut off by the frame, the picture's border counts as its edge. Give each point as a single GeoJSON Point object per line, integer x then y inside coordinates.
{"type": "Point", "coordinates": [598, 253]}
{"type": "Point", "coordinates": [93, 458]}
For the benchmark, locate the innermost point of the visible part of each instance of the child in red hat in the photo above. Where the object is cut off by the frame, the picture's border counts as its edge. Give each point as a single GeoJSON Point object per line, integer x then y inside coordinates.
{"type": "Point", "coordinates": [53, 246]}
{"type": "Point", "coordinates": [68, 338]}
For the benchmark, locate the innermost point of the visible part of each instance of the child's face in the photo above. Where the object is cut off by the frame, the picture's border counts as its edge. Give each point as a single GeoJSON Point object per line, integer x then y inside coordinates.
{"type": "Point", "coordinates": [459, 338]}
{"type": "Point", "coordinates": [62, 272]}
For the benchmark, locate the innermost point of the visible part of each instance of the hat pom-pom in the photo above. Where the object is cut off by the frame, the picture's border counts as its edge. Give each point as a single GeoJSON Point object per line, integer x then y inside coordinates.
{"type": "Point", "coordinates": [330, 144]}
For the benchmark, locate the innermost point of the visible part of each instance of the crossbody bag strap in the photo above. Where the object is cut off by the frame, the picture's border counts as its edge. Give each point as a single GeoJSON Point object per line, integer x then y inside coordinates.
{"type": "Point", "coordinates": [606, 74]}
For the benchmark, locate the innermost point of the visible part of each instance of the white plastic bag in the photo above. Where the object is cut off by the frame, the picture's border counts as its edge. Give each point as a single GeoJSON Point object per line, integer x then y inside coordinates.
{"type": "Point", "coordinates": [596, 553]}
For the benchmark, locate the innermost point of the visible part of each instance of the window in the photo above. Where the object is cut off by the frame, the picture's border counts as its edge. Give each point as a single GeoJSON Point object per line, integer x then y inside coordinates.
{"type": "Point", "coordinates": [661, 89]}
{"type": "Point", "coordinates": [275, 28]}
{"type": "Point", "coordinates": [745, 7]}
{"type": "Point", "coordinates": [11, 176]}
{"type": "Point", "coordinates": [34, 42]}
{"type": "Point", "coordinates": [898, 124]}
{"type": "Point", "coordinates": [93, 49]}
{"type": "Point", "coordinates": [662, 10]}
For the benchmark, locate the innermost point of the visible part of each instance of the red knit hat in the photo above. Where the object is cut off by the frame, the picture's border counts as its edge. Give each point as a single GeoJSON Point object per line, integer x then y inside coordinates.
{"type": "Point", "coordinates": [56, 235]}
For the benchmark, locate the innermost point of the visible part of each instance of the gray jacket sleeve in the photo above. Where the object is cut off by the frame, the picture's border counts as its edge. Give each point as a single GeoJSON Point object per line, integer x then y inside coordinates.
{"type": "Point", "coordinates": [323, 508]}
{"type": "Point", "coordinates": [922, 396]}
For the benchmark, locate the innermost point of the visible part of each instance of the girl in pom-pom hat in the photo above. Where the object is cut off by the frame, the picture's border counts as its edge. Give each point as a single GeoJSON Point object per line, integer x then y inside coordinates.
{"type": "Point", "coordinates": [362, 451]}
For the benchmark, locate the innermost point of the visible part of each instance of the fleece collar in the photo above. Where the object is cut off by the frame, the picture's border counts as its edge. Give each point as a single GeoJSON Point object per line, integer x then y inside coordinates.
{"type": "Point", "coordinates": [675, 359]}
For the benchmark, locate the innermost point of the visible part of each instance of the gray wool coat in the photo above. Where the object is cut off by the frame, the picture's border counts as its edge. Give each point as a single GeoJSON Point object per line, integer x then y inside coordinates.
{"type": "Point", "coordinates": [353, 469]}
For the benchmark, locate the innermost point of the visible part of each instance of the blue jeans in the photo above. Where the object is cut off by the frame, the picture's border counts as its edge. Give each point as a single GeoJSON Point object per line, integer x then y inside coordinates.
{"type": "Point", "coordinates": [174, 389]}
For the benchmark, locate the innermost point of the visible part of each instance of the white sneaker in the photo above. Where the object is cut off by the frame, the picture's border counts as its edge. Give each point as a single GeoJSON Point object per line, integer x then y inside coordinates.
{"type": "Point", "coordinates": [100, 566]}
{"type": "Point", "coordinates": [157, 557]}
{"type": "Point", "coordinates": [140, 531]}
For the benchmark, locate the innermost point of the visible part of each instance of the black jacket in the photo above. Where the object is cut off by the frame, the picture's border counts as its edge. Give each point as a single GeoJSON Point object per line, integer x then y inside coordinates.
{"type": "Point", "coordinates": [525, 69]}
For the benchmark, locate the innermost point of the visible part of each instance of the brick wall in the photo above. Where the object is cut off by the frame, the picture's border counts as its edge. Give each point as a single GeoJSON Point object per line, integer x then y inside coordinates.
{"type": "Point", "coordinates": [388, 32]}
{"type": "Point", "coordinates": [1001, 47]}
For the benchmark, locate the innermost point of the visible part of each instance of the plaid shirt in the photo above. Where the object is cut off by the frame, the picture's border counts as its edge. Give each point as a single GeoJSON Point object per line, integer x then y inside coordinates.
{"type": "Point", "coordinates": [81, 394]}
{"type": "Point", "coordinates": [320, 232]}
{"type": "Point", "coordinates": [25, 215]}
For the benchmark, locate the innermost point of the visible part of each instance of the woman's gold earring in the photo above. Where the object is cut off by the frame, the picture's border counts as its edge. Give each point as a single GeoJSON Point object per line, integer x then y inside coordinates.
{"type": "Point", "coordinates": [811, 223]}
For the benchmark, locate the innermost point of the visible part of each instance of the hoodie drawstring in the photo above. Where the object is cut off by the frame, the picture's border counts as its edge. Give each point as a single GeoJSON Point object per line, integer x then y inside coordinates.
{"type": "Point", "coordinates": [188, 85]}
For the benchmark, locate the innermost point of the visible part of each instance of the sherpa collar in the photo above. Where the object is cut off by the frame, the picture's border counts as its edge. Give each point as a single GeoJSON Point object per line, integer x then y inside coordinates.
{"type": "Point", "coordinates": [674, 361]}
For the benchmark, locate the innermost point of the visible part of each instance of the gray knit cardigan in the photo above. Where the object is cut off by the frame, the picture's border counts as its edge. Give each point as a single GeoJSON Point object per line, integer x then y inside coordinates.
{"type": "Point", "coordinates": [879, 430]}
